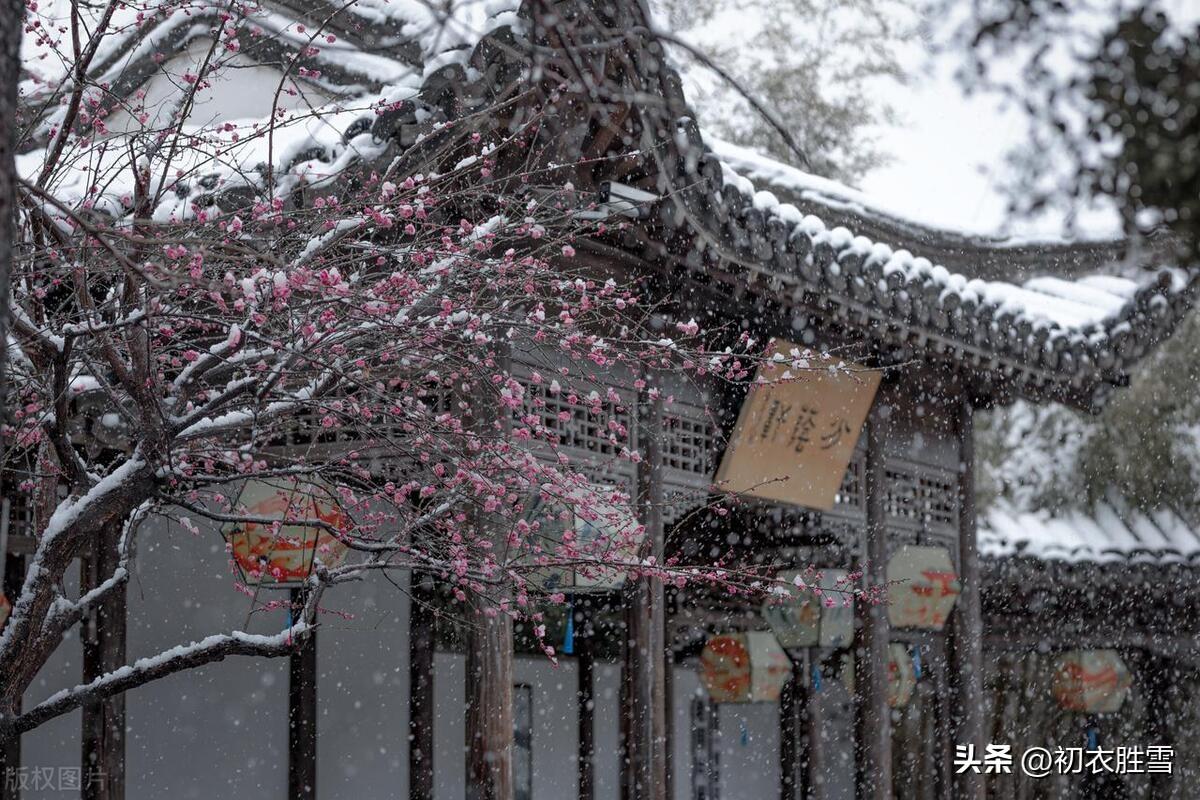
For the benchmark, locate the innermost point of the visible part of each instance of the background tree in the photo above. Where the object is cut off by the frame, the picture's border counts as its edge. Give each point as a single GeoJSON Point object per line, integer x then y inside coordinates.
{"type": "Point", "coordinates": [200, 302]}
{"type": "Point", "coordinates": [1110, 92]}
{"type": "Point", "coordinates": [814, 64]}
{"type": "Point", "coordinates": [10, 73]}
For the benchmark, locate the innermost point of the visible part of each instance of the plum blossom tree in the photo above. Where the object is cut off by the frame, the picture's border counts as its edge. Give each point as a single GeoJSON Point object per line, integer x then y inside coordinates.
{"type": "Point", "coordinates": [197, 303]}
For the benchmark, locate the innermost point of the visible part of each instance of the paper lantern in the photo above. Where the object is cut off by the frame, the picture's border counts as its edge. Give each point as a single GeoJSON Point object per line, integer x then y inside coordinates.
{"type": "Point", "coordinates": [746, 667]}
{"type": "Point", "coordinates": [808, 620]}
{"type": "Point", "coordinates": [926, 589]}
{"type": "Point", "coordinates": [603, 531]}
{"type": "Point", "coordinates": [5, 609]}
{"type": "Point", "coordinates": [1091, 680]}
{"type": "Point", "coordinates": [901, 675]}
{"type": "Point", "coordinates": [283, 554]}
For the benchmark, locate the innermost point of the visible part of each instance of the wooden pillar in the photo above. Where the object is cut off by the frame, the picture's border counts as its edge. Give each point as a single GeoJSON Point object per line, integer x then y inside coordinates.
{"type": "Point", "coordinates": [789, 733]}
{"type": "Point", "coordinates": [796, 736]}
{"type": "Point", "coordinates": [420, 688]}
{"type": "Point", "coordinates": [586, 698]}
{"type": "Point", "coordinates": [813, 761]}
{"type": "Point", "coordinates": [873, 740]}
{"type": "Point", "coordinates": [104, 636]}
{"type": "Point", "coordinates": [489, 646]}
{"type": "Point", "coordinates": [669, 721]}
{"type": "Point", "coordinates": [966, 623]}
{"type": "Point", "coordinates": [1161, 680]}
{"type": "Point", "coordinates": [489, 706]}
{"type": "Point", "coordinates": [302, 713]}
{"type": "Point", "coordinates": [644, 702]}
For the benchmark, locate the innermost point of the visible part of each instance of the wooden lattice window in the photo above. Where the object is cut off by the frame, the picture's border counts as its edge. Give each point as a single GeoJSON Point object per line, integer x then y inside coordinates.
{"type": "Point", "coordinates": [690, 442]}
{"type": "Point", "coordinates": [575, 425]}
{"type": "Point", "coordinates": [850, 493]}
{"type": "Point", "coordinates": [920, 496]}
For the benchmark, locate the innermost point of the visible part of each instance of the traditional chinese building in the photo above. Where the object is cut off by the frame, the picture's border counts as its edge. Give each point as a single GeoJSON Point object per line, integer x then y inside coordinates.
{"type": "Point", "coordinates": [948, 324]}
{"type": "Point", "coordinates": [1112, 584]}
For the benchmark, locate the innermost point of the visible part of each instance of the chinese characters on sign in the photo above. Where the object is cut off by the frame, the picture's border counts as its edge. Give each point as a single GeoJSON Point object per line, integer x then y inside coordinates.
{"type": "Point", "coordinates": [798, 427]}
{"type": "Point", "coordinates": [1038, 762]}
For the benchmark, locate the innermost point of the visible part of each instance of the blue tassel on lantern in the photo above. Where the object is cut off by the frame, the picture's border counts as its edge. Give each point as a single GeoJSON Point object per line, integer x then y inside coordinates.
{"type": "Point", "coordinates": [916, 658]}
{"type": "Point", "coordinates": [745, 732]}
{"type": "Point", "coordinates": [816, 678]}
{"type": "Point", "coordinates": [569, 636]}
{"type": "Point", "coordinates": [1093, 738]}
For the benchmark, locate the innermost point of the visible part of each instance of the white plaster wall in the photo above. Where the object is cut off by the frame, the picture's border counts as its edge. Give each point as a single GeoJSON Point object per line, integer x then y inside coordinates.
{"type": "Point", "coordinates": [221, 731]}
{"type": "Point", "coordinates": [749, 750]}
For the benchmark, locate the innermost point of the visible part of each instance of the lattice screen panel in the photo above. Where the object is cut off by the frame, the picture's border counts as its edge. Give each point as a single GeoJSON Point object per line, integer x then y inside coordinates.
{"type": "Point", "coordinates": [920, 497]}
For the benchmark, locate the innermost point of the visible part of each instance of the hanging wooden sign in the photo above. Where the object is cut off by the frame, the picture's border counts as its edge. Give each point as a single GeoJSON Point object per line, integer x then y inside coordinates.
{"type": "Point", "coordinates": [808, 620]}
{"type": "Point", "coordinates": [901, 675]}
{"type": "Point", "coordinates": [1091, 680]}
{"type": "Point", "coordinates": [282, 554]}
{"type": "Point", "coordinates": [923, 587]}
{"type": "Point", "coordinates": [746, 667]}
{"type": "Point", "coordinates": [797, 428]}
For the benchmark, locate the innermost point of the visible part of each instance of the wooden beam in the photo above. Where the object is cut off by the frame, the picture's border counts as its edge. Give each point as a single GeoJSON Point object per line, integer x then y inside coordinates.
{"type": "Point", "coordinates": [489, 705]}
{"type": "Point", "coordinates": [966, 623]}
{"type": "Point", "coordinates": [1185, 648]}
{"type": "Point", "coordinates": [420, 688]}
{"type": "Point", "coordinates": [644, 704]}
{"type": "Point", "coordinates": [104, 637]}
{"type": "Point", "coordinates": [873, 739]}
{"type": "Point", "coordinates": [302, 714]}
{"type": "Point", "coordinates": [586, 699]}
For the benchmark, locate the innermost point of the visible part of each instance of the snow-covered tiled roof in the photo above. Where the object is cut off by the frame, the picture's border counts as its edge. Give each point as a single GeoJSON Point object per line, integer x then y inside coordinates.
{"type": "Point", "coordinates": [1059, 336]}
{"type": "Point", "coordinates": [1050, 336]}
{"type": "Point", "coordinates": [357, 74]}
{"type": "Point", "coordinates": [1110, 531]}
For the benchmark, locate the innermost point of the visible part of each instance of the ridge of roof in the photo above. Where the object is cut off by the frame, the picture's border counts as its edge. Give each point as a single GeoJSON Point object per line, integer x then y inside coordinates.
{"type": "Point", "coordinates": [992, 256]}
{"type": "Point", "coordinates": [1066, 338]}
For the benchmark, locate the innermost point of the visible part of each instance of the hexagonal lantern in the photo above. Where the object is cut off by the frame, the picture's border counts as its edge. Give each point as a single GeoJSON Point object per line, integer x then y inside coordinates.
{"type": "Point", "coordinates": [283, 555]}
{"type": "Point", "coordinates": [1091, 680]}
{"type": "Point", "coordinates": [901, 675]}
{"type": "Point", "coordinates": [601, 529]}
{"type": "Point", "coordinates": [927, 590]}
{"type": "Point", "coordinates": [807, 620]}
{"type": "Point", "coordinates": [747, 667]}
